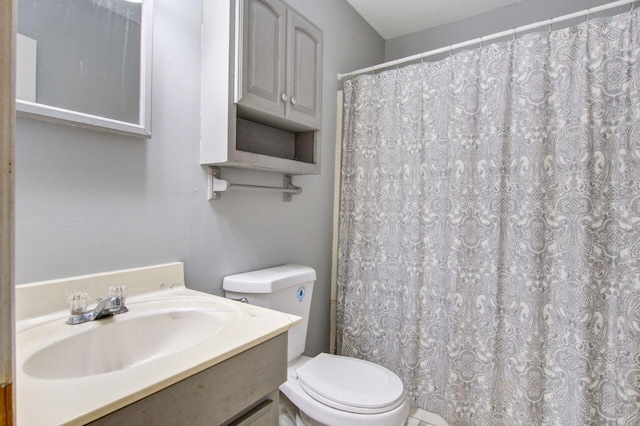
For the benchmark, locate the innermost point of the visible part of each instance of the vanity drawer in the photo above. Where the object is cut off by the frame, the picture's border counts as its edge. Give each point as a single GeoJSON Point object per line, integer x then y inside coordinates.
{"type": "Point", "coordinates": [262, 415]}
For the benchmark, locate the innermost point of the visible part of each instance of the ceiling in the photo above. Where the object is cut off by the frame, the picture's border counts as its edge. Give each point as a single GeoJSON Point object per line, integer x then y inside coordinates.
{"type": "Point", "coordinates": [393, 18]}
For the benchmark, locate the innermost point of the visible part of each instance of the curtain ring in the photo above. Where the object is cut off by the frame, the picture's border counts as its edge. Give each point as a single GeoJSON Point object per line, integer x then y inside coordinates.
{"type": "Point", "coordinates": [514, 34]}
{"type": "Point", "coordinates": [481, 42]}
{"type": "Point", "coordinates": [550, 24]}
{"type": "Point", "coordinates": [632, 6]}
{"type": "Point", "coordinates": [587, 18]}
{"type": "Point", "coordinates": [422, 59]}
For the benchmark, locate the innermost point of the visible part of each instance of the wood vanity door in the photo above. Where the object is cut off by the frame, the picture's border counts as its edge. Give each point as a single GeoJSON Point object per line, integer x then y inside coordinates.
{"type": "Point", "coordinates": [304, 71]}
{"type": "Point", "coordinates": [262, 67]}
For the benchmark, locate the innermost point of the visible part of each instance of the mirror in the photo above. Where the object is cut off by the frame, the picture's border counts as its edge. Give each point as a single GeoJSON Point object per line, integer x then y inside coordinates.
{"type": "Point", "coordinates": [86, 63]}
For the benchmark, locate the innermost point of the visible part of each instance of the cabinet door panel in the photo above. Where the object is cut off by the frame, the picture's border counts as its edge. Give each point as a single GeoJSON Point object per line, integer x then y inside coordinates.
{"type": "Point", "coordinates": [304, 71]}
{"type": "Point", "coordinates": [263, 56]}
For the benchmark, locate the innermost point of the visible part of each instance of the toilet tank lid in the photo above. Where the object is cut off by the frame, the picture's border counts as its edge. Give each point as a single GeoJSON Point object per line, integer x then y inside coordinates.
{"type": "Point", "coordinates": [269, 280]}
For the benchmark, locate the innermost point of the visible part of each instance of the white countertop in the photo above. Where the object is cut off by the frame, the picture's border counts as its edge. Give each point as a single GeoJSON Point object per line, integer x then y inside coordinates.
{"type": "Point", "coordinates": [82, 399]}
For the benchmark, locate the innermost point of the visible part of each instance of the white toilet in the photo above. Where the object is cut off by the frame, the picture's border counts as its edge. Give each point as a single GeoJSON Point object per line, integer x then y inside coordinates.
{"type": "Point", "coordinates": [328, 389]}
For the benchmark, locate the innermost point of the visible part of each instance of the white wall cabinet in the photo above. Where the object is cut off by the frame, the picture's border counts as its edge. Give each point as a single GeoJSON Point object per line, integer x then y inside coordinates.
{"type": "Point", "coordinates": [261, 87]}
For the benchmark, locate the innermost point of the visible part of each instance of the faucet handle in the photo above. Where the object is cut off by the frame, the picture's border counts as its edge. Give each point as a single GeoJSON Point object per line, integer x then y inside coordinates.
{"type": "Point", "coordinates": [120, 292]}
{"type": "Point", "coordinates": [77, 302]}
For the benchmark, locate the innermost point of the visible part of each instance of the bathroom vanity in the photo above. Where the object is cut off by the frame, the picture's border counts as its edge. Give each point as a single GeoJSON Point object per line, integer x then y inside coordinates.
{"type": "Point", "coordinates": [177, 357]}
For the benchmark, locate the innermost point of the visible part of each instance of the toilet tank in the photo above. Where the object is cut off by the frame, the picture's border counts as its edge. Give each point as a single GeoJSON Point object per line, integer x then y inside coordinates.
{"type": "Point", "coordinates": [286, 288]}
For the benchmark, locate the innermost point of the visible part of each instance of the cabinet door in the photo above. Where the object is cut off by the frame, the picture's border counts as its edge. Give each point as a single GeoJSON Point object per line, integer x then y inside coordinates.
{"type": "Point", "coordinates": [304, 71]}
{"type": "Point", "coordinates": [262, 67]}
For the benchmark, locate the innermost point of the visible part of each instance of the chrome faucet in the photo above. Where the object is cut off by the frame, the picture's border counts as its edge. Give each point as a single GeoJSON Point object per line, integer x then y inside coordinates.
{"type": "Point", "coordinates": [112, 305]}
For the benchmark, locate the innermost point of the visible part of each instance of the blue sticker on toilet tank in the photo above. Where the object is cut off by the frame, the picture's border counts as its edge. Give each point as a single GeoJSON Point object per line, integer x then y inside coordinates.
{"type": "Point", "coordinates": [300, 293]}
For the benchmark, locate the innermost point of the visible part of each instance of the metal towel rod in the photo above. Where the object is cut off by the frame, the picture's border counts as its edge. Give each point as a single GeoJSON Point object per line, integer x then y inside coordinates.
{"type": "Point", "coordinates": [218, 185]}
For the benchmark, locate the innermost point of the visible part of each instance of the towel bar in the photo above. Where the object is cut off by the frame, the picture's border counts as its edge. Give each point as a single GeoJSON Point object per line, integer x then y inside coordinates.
{"type": "Point", "coordinates": [217, 186]}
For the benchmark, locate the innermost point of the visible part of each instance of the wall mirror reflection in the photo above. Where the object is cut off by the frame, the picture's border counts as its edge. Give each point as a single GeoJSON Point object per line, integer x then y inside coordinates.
{"type": "Point", "coordinates": [85, 62]}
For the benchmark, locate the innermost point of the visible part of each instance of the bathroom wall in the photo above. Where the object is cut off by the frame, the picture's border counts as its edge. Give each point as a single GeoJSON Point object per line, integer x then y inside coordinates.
{"type": "Point", "coordinates": [88, 201]}
{"type": "Point", "coordinates": [504, 18]}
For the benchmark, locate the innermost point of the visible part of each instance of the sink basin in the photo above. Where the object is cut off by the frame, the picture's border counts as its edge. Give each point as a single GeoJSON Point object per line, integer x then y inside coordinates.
{"type": "Point", "coordinates": [123, 342]}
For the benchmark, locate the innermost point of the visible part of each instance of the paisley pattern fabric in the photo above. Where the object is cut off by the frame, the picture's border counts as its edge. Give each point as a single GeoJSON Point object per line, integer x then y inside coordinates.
{"type": "Point", "coordinates": [489, 237]}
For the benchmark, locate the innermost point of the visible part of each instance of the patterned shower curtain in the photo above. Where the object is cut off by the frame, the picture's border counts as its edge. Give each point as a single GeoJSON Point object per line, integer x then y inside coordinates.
{"type": "Point", "coordinates": [489, 248]}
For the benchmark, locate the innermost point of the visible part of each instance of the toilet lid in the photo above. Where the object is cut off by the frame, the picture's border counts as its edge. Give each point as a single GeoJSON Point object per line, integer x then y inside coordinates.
{"type": "Point", "coordinates": [350, 384]}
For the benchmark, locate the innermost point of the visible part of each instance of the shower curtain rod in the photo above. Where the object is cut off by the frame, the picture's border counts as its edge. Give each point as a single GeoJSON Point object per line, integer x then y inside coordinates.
{"type": "Point", "coordinates": [482, 39]}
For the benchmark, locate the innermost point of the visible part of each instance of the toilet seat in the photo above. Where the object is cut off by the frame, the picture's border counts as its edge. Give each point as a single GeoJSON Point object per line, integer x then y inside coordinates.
{"type": "Point", "coordinates": [324, 414]}
{"type": "Point", "coordinates": [351, 385]}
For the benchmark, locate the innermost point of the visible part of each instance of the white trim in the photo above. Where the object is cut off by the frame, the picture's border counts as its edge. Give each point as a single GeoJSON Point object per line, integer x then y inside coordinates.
{"type": "Point", "coordinates": [74, 118]}
{"type": "Point", "coordinates": [336, 223]}
{"type": "Point", "coordinates": [146, 65]}
{"type": "Point", "coordinates": [483, 39]}
{"type": "Point", "coordinates": [80, 119]}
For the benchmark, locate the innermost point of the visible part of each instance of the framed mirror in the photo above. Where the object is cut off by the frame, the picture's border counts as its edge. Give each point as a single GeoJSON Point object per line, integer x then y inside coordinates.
{"type": "Point", "coordinates": [86, 63]}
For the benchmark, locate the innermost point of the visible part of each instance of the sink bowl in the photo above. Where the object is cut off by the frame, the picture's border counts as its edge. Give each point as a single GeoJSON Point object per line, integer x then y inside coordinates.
{"type": "Point", "coordinates": [122, 342]}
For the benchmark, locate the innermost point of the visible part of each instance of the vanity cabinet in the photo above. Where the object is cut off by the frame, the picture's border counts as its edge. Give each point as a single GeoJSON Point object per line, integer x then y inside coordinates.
{"type": "Point", "coordinates": [241, 391]}
{"type": "Point", "coordinates": [280, 66]}
{"type": "Point", "coordinates": [261, 98]}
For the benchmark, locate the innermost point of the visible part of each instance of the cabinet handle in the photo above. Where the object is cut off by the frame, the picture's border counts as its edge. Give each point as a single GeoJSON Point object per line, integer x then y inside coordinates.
{"type": "Point", "coordinates": [285, 97]}
{"type": "Point", "coordinates": [294, 101]}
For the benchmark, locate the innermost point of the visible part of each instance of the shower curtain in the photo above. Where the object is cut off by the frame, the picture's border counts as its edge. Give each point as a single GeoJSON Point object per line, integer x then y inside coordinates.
{"type": "Point", "coordinates": [489, 235]}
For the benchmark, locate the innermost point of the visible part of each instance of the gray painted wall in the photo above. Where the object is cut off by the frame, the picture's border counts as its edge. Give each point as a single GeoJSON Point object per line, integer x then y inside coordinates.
{"type": "Point", "coordinates": [90, 202]}
{"type": "Point", "coordinates": [504, 18]}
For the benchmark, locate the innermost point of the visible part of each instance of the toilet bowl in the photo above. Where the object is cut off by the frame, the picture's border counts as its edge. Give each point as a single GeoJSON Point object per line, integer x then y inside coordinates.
{"type": "Point", "coordinates": [341, 391]}
{"type": "Point", "coordinates": [327, 389]}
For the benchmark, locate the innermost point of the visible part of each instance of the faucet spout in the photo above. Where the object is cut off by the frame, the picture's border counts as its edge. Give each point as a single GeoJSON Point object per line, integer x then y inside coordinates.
{"type": "Point", "coordinates": [107, 307]}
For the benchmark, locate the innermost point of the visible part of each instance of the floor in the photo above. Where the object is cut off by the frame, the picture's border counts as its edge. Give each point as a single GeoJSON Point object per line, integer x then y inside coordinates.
{"type": "Point", "coordinates": [419, 417]}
